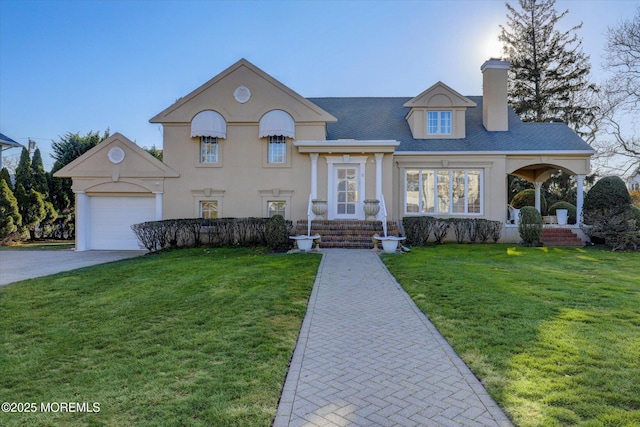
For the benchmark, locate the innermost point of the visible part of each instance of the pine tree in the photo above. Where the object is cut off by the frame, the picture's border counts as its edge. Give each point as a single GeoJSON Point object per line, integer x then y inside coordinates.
{"type": "Point", "coordinates": [39, 174]}
{"type": "Point", "coordinates": [24, 171]}
{"type": "Point", "coordinates": [549, 74]}
{"type": "Point", "coordinates": [31, 207]}
{"type": "Point", "coordinates": [4, 175]}
{"type": "Point", "coordinates": [10, 218]}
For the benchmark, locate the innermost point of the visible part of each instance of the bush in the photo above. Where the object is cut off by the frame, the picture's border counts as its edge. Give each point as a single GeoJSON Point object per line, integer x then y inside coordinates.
{"type": "Point", "coordinates": [276, 233]}
{"type": "Point", "coordinates": [564, 205]}
{"type": "Point", "coordinates": [609, 215]}
{"type": "Point", "coordinates": [608, 192]}
{"type": "Point", "coordinates": [530, 226]}
{"type": "Point", "coordinates": [440, 229]}
{"type": "Point", "coordinates": [417, 229]}
{"type": "Point", "coordinates": [528, 198]}
{"type": "Point", "coordinates": [636, 214]}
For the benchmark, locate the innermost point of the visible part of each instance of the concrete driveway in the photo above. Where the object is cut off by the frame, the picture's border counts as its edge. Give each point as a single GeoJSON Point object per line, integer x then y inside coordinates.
{"type": "Point", "coordinates": [21, 265]}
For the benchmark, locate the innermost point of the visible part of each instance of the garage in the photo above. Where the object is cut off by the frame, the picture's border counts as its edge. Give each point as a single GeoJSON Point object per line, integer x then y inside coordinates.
{"type": "Point", "coordinates": [111, 217]}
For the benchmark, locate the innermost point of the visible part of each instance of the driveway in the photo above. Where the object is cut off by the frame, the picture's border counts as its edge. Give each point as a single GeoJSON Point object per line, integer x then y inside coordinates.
{"type": "Point", "coordinates": [21, 265]}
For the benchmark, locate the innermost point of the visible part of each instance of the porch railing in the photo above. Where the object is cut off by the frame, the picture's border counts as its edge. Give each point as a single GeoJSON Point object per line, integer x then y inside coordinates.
{"type": "Point", "coordinates": [310, 215]}
{"type": "Point", "coordinates": [382, 215]}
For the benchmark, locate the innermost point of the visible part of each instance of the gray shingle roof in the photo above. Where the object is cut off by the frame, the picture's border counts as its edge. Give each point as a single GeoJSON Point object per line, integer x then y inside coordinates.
{"type": "Point", "coordinates": [384, 118]}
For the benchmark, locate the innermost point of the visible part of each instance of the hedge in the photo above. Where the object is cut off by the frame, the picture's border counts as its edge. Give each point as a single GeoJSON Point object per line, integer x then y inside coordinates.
{"type": "Point", "coordinates": [418, 229]}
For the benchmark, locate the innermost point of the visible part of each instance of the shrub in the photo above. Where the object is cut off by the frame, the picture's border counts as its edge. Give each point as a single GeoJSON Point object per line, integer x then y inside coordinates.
{"type": "Point", "coordinates": [609, 214]}
{"type": "Point", "coordinates": [528, 198]}
{"type": "Point", "coordinates": [530, 226]}
{"type": "Point", "coordinates": [460, 228]}
{"type": "Point", "coordinates": [608, 192]}
{"type": "Point", "coordinates": [417, 229]}
{"type": "Point", "coordinates": [276, 233]}
{"type": "Point", "coordinates": [440, 229]}
{"type": "Point", "coordinates": [636, 214]}
{"type": "Point", "coordinates": [564, 205]}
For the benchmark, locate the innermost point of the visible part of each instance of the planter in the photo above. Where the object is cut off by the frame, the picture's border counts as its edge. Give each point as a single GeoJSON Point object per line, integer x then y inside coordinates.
{"type": "Point", "coordinates": [319, 207]}
{"type": "Point", "coordinates": [304, 242]}
{"type": "Point", "coordinates": [562, 215]}
{"type": "Point", "coordinates": [371, 208]}
{"type": "Point", "coordinates": [389, 243]}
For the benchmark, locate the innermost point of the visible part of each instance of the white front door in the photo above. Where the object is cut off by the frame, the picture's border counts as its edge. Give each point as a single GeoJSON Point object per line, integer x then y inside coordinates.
{"type": "Point", "coordinates": [346, 192]}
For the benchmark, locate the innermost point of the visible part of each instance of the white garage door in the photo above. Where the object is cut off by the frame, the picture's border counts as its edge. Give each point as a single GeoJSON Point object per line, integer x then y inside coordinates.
{"type": "Point", "coordinates": [111, 217]}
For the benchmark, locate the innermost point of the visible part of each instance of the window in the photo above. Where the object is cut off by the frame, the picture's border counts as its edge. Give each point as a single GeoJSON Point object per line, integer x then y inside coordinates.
{"type": "Point", "coordinates": [208, 149]}
{"type": "Point", "coordinates": [439, 122]}
{"type": "Point", "coordinates": [276, 208]}
{"type": "Point", "coordinates": [209, 209]}
{"type": "Point", "coordinates": [277, 149]}
{"type": "Point", "coordinates": [443, 191]}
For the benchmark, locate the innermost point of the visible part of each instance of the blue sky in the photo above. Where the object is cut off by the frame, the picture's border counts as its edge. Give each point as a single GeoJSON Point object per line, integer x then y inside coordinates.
{"type": "Point", "coordinates": [83, 65]}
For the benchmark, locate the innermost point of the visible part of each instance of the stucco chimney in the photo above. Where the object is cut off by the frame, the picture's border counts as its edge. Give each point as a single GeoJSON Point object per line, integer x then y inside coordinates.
{"type": "Point", "coordinates": [494, 95]}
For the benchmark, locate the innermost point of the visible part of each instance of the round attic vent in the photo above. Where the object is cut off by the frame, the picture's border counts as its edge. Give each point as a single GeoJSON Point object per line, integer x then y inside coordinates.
{"type": "Point", "coordinates": [242, 94]}
{"type": "Point", "coordinates": [116, 155]}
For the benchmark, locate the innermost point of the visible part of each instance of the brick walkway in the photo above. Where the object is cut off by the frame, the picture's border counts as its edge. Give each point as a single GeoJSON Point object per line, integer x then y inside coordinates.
{"type": "Point", "coordinates": [366, 356]}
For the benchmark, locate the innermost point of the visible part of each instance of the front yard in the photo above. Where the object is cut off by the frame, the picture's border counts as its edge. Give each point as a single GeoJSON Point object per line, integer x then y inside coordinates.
{"type": "Point", "coordinates": [196, 337]}
{"type": "Point", "coordinates": [202, 337]}
{"type": "Point", "coordinates": [554, 334]}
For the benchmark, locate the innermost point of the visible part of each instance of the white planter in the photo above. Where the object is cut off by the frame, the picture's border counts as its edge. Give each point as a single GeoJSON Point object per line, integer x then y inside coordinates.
{"type": "Point", "coordinates": [516, 216]}
{"type": "Point", "coordinates": [371, 208]}
{"type": "Point", "coordinates": [390, 243]}
{"type": "Point", "coordinates": [304, 242]}
{"type": "Point", "coordinates": [319, 207]}
{"type": "Point", "coordinates": [562, 215]}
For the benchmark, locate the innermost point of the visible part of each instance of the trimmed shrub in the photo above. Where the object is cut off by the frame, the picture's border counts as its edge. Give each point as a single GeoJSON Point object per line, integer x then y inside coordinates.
{"type": "Point", "coordinates": [440, 229]}
{"type": "Point", "coordinates": [608, 192]}
{"type": "Point", "coordinates": [417, 229]}
{"type": "Point", "coordinates": [460, 228]}
{"type": "Point", "coordinates": [276, 233]}
{"type": "Point", "coordinates": [564, 205]}
{"type": "Point", "coordinates": [636, 214]}
{"type": "Point", "coordinates": [528, 198]}
{"type": "Point", "coordinates": [530, 226]}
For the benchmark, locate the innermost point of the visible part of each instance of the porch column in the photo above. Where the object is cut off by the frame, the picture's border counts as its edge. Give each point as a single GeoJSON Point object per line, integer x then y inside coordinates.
{"type": "Point", "coordinates": [82, 211]}
{"type": "Point", "coordinates": [314, 175]}
{"type": "Point", "coordinates": [538, 188]}
{"type": "Point", "coordinates": [579, 198]}
{"type": "Point", "coordinates": [158, 206]}
{"type": "Point", "coordinates": [379, 157]}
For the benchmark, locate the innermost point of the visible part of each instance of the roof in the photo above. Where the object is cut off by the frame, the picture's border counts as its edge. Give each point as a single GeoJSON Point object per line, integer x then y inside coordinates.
{"type": "Point", "coordinates": [5, 140]}
{"type": "Point", "coordinates": [385, 119]}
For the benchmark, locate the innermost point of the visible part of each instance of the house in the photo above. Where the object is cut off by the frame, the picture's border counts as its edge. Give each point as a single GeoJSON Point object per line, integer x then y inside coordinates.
{"type": "Point", "coordinates": [5, 144]}
{"type": "Point", "coordinates": [245, 145]}
{"type": "Point", "coordinates": [633, 181]}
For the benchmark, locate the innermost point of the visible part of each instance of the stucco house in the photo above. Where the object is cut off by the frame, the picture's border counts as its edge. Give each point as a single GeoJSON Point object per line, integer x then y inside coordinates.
{"type": "Point", "coordinates": [245, 145]}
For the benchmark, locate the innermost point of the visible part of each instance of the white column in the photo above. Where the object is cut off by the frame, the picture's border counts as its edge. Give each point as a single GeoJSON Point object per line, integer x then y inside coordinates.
{"type": "Point", "coordinates": [82, 226]}
{"type": "Point", "coordinates": [314, 175]}
{"type": "Point", "coordinates": [158, 206]}
{"type": "Point", "coordinates": [538, 188]}
{"type": "Point", "coordinates": [579, 198]}
{"type": "Point", "coordinates": [379, 157]}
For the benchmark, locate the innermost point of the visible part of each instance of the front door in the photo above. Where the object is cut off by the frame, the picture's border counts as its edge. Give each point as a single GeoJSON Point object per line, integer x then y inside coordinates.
{"type": "Point", "coordinates": [346, 191]}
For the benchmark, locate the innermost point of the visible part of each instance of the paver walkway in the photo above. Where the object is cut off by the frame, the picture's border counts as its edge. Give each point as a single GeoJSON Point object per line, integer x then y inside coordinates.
{"type": "Point", "coordinates": [366, 356]}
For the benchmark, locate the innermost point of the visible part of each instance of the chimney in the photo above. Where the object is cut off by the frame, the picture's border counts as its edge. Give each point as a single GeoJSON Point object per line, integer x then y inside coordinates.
{"type": "Point", "coordinates": [494, 95]}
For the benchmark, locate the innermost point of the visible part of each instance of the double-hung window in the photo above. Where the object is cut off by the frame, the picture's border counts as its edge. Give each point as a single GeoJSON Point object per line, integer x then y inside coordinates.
{"type": "Point", "coordinates": [208, 149]}
{"type": "Point", "coordinates": [439, 122]}
{"type": "Point", "coordinates": [443, 191]}
{"type": "Point", "coordinates": [208, 209]}
{"type": "Point", "coordinates": [277, 153]}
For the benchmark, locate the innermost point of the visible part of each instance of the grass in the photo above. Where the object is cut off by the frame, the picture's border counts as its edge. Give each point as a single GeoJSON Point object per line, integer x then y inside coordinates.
{"type": "Point", "coordinates": [39, 245]}
{"type": "Point", "coordinates": [554, 334]}
{"type": "Point", "coordinates": [186, 338]}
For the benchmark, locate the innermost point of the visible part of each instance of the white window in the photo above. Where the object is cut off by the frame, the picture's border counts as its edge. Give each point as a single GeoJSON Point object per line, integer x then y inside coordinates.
{"type": "Point", "coordinates": [277, 149]}
{"type": "Point", "coordinates": [209, 209]}
{"type": "Point", "coordinates": [208, 149]}
{"type": "Point", "coordinates": [443, 191]}
{"type": "Point", "coordinates": [276, 208]}
{"type": "Point", "coordinates": [439, 122]}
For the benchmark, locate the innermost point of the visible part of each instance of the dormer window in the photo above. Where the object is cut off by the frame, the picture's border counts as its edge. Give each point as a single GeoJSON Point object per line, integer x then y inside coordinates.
{"type": "Point", "coordinates": [439, 122]}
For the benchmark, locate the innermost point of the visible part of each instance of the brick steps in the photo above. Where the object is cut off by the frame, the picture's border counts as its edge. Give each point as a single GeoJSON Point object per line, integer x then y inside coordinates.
{"type": "Point", "coordinates": [346, 233]}
{"type": "Point", "coordinates": [560, 237]}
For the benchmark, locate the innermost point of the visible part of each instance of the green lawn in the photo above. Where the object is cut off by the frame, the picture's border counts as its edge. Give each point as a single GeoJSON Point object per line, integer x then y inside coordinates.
{"type": "Point", "coordinates": [554, 334]}
{"type": "Point", "coordinates": [196, 337]}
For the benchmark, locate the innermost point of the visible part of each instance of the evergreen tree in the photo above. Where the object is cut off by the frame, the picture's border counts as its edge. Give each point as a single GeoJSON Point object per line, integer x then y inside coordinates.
{"type": "Point", "coordinates": [31, 207]}
{"type": "Point", "coordinates": [24, 171]}
{"type": "Point", "coordinates": [10, 218]}
{"type": "Point", "coordinates": [73, 145]}
{"type": "Point", "coordinates": [549, 72]}
{"type": "Point", "coordinates": [4, 175]}
{"type": "Point", "coordinates": [39, 174]}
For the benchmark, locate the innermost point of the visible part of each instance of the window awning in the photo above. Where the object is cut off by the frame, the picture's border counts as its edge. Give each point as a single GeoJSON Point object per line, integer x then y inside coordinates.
{"type": "Point", "coordinates": [208, 123]}
{"type": "Point", "coordinates": [277, 122]}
